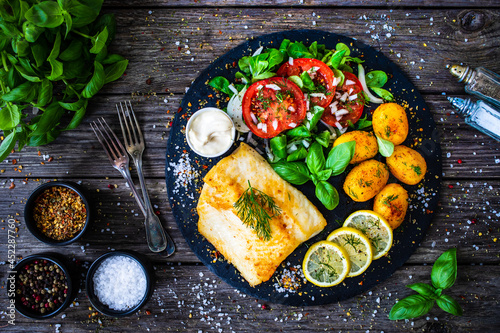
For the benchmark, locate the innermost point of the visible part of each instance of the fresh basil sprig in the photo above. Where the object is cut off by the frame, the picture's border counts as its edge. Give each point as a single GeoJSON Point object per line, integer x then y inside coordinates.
{"type": "Point", "coordinates": [443, 276]}
{"type": "Point", "coordinates": [385, 147]}
{"type": "Point", "coordinates": [47, 47]}
{"type": "Point", "coordinates": [318, 169]}
{"type": "Point", "coordinates": [375, 80]}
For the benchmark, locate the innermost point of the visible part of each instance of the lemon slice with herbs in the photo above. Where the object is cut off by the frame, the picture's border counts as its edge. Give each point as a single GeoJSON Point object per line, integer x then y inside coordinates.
{"type": "Point", "coordinates": [326, 264]}
{"type": "Point", "coordinates": [357, 245]}
{"type": "Point", "coordinates": [373, 226]}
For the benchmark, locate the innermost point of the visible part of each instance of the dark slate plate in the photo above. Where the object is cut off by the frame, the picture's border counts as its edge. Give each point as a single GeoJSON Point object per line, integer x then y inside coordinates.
{"type": "Point", "coordinates": [184, 183]}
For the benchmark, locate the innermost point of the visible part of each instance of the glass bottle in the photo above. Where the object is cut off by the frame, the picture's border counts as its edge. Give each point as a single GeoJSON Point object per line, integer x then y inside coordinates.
{"type": "Point", "coordinates": [480, 115]}
{"type": "Point", "coordinates": [480, 82]}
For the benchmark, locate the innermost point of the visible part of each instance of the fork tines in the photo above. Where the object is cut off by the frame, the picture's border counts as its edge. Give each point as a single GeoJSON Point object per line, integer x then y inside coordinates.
{"type": "Point", "coordinates": [125, 114]}
{"type": "Point", "coordinates": [110, 142]}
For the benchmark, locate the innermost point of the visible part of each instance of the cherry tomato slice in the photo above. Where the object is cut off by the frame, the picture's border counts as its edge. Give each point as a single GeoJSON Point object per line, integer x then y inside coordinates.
{"type": "Point", "coordinates": [319, 72]}
{"type": "Point", "coordinates": [352, 87]}
{"type": "Point", "coordinates": [273, 105]}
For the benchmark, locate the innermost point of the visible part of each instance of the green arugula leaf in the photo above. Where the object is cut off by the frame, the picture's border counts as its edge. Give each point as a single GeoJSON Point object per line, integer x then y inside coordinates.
{"type": "Point", "coordinates": [295, 173]}
{"type": "Point", "coordinates": [411, 307]}
{"type": "Point", "coordinates": [444, 270]}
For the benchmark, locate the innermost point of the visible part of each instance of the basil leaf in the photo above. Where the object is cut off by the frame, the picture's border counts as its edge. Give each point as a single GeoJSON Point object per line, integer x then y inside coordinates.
{"type": "Point", "coordinates": [74, 106]}
{"type": "Point", "coordinates": [278, 145]}
{"type": "Point", "coordinates": [317, 112]}
{"type": "Point", "coordinates": [284, 46]}
{"type": "Point", "coordinates": [73, 51]}
{"type": "Point", "coordinates": [112, 58]}
{"type": "Point", "coordinates": [424, 289]}
{"type": "Point", "coordinates": [57, 70]}
{"type": "Point", "coordinates": [40, 53]}
{"type": "Point", "coordinates": [295, 173]}
{"type": "Point", "coordinates": [25, 92]}
{"type": "Point", "coordinates": [340, 156]}
{"type": "Point", "coordinates": [9, 29]}
{"type": "Point", "coordinates": [323, 138]}
{"type": "Point", "coordinates": [307, 81]}
{"type": "Point", "coordinates": [77, 118]}
{"type": "Point", "coordinates": [263, 76]}
{"type": "Point", "coordinates": [45, 93]}
{"type": "Point", "coordinates": [31, 31]}
{"type": "Point", "coordinates": [275, 58]}
{"type": "Point", "coordinates": [449, 305]}
{"type": "Point", "coordinates": [96, 82]}
{"type": "Point", "coordinates": [297, 155]}
{"type": "Point", "coordinates": [338, 73]}
{"type": "Point", "coordinates": [376, 79]}
{"type": "Point", "coordinates": [364, 123]}
{"type": "Point", "coordinates": [298, 50]}
{"type": "Point", "coordinates": [24, 73]}
{"type": "Point", "coordinates": [115, 71]}
{"type": "Point", "coordinates": [108, 21]}
{"type": "Point", "coordinates": [8, 144]}
{"type": "Point", "coordinates": [56, 48]}
{"type": "Point", "coordinates": [315, 159]}
{"type": "Point", "coordinates": [444, 270]}
{"type": "Point", "coordinates": [9, 118]}
{"type": "Point", "coordinates": [258, 64]}
{"type": "Point", "coordinates": [327, 194]}
{"type": "Point", "coordinates": [69, 23]}
{"type": "Point", "coordinates": [346, 68]}
{"type": "Point", "coordinates": [99, 41]}
{"type": "Point", "coordinates": [244, 65]}
{"type": "Point", "coordinates": [49, 119]}
{"type": "Point", "coordinates": [83, 14]}
{"type": "Point", "coordinates": [385, 147]}
{"type": "Point", "coordinates": [220, 83]}
{"type": "Point", "coordinates": [75, 69]}
{"type": "Point", "coordinates": [324, 174]}
{"type": "Point", "coordinates": [411, 307]}
{"type": "Point", "coordinates": [43, 139]}
{"type": "Point", "coordinates": [385, 94]}
{"type": "Point", "coordinates": [299, 132]}
{"type": "Point", "coordinates": [313, 49]}
{"type": "Point", "coordinates": [46, 14]}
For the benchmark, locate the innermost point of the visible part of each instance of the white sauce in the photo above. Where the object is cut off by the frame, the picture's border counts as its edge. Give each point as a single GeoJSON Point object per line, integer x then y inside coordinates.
{"type": "Point", "coordinates": [210, 132]}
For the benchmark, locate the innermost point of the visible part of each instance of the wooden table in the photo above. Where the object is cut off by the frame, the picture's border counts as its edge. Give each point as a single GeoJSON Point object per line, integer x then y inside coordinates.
{"type": "Point", "coordinates": [168, 43]}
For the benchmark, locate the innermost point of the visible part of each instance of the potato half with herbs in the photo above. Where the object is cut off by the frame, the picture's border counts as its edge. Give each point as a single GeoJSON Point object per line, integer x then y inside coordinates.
{"type": "Point", "coordinates": [407, 165]}
{"type": "Point", "coordinates": [390, 122]}
{"type": "Point", "coordinates": [392, 204]}
{"type": "Point", "coordinates": [366, 180]}
{"type": "Point", "coordinates": [366, 145]}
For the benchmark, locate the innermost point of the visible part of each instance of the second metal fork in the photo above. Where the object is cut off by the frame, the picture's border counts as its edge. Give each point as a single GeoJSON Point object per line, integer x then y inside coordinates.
{"type": "Point", "coordinates": [158, 239]}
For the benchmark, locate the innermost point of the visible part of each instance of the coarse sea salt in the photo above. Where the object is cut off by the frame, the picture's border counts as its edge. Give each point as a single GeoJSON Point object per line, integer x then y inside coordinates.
{"type": "Point", "coordinates": [120, 283]}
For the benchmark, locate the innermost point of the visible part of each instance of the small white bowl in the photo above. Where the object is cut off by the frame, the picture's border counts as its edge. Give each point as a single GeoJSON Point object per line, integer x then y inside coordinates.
{"type": "Point", "coordinates": [189, 125]}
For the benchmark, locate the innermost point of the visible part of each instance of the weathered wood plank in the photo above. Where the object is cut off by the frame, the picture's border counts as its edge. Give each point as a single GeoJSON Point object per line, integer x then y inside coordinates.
{"type": "Point", "coordinates": [77, 153]}
{"type": "Point", "coordinates": [192, 299]}
{"type": "Point", "coordinates": [394, 4]}
{"type": "Point", "coordinates": [468, 218]}
{"type": "Point", "coordinates": [170, 47]}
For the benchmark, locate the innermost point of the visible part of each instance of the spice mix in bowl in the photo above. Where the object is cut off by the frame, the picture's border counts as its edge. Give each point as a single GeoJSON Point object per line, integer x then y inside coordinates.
{"type": "Point", "coordinates": [119, 283]}
{"type": "Point", "coordinates": [57, 213]}
{"type": "Point", "coordinates": [43, 286]}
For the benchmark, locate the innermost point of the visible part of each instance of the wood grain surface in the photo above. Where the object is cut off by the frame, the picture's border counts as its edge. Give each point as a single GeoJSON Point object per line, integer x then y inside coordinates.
{"type": "Point", "coordinates": [168, 43]}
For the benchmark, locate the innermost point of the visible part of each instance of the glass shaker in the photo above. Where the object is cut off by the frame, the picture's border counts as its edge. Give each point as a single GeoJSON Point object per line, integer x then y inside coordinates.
{"type": "Point", "coordinates": [480, 82]}
{"type": "Point", "coordinates": [480, 115]}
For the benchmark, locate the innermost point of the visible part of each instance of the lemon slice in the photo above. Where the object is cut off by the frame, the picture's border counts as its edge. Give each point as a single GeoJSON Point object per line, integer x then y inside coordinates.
{"type": "Point", "coordinates": [357, 245]}
{"type": "Point", "coordinates": [326, 264]}
{"type": "Point", "coordinates": [373, 226]}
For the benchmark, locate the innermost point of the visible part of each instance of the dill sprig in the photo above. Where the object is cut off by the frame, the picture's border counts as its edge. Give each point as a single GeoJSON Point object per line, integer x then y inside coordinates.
{"type": "Point", "coordinates": [256, 209]}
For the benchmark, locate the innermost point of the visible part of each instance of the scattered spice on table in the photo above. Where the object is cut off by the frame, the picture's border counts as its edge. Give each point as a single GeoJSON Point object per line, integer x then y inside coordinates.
{"type": "Point", "coordinates": [42, 286]}
{"type": "Point", "coordinates": [120, 283]}
{"type": "Point", "coordinates": [59, 212]}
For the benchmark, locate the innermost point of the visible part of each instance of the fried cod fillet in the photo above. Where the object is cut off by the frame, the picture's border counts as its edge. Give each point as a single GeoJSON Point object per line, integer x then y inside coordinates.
{"type": "Point", "coordinates": [254, 258]}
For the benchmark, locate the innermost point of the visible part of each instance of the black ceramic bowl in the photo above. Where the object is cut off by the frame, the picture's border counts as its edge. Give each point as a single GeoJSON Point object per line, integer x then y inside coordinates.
{"type": "Point", "coordinates": [103, 308]}
{"type": "Point", "coordinates": [30, 204]}
{"type": "Point", "coordinates": [51, 258]}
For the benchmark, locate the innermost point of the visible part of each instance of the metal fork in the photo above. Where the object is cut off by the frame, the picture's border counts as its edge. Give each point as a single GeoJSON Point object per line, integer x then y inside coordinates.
{"type": "Point", "coordinates": [158, 239]}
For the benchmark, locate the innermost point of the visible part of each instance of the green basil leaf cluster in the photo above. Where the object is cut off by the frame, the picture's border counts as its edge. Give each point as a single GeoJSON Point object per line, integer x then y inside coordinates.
{"type": "Point", "coordinates": [54, 58]}
{"type": "Point", "coordinates": [318, 169]}
{"type": "Point", "coordinates": [443, 276]}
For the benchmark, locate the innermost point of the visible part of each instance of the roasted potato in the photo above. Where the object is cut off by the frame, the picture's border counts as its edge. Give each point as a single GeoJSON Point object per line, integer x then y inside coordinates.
{"type": "Point", "coordinates": [390, 122]}
{"type": "Point", "coordinates": [366, 180]}
{"type": "Point", "coordinates": [407, 165]}
{"type": "Point", "coordinates": [392, 203]}
{"type": "Point", "coordinates": [366, 145]}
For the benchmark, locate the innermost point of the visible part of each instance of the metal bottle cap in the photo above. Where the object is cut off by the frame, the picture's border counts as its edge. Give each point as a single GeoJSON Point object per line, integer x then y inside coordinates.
{"type": "Point", "coordinates": [463, 73]}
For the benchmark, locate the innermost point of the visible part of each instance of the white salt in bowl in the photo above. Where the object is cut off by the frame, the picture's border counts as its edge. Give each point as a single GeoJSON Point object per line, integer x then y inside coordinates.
{"type": "Point", "coordinates": [119, 283]}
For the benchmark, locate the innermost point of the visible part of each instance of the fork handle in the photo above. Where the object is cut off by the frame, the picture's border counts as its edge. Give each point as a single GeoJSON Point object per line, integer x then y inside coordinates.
{"type": "Point", "coordinates": [158, 239]}
{"type": "Point", "coordinates": [126, 174]}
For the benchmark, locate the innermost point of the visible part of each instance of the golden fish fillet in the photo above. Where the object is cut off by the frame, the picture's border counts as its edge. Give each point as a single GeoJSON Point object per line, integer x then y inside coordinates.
{"type": "Point", "coordinates": [256, 259]}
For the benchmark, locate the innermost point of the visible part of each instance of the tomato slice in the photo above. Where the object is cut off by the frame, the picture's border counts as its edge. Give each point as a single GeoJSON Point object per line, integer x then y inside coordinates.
{"type": "Point", "coordinates": [273, 105]}
{"type": "Point", "coordinates": [354, 107]}
{"type": "Point", "coordinates": [319, 72]}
